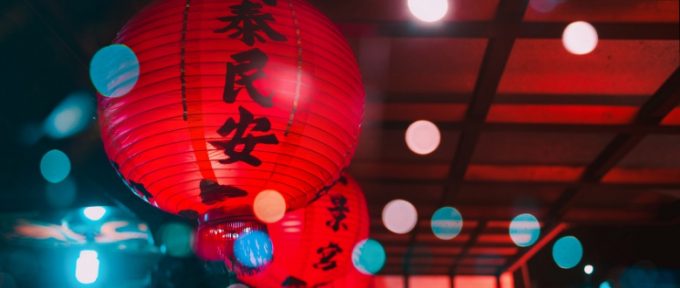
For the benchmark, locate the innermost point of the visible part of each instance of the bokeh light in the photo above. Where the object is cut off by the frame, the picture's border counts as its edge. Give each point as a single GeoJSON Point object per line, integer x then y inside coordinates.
{"type": "Point", "coordinates": [94, 213]}
{"type": "Point", "coordinates": [423, 137]}
{"type": "Point", "coordinates": [253, 249]}
{"type": "Point", "coordinates": [579, 38]}
{"type": "Point", "coordinates": [447, 222]}
{"type": "Point", "coordinates": [87, 267]}
{"type": "Point", "coordinates": [269, 206]}
{"type": "Point", "coordinates": [605, 284]}
{"type": "Point", "coordinates": [61, 195]}
{"type": "Point", "coordinates": [70, 117]}
{"type": "Point", "coordinates": [588, 269]}
{"type": "Point", "coordinates": [567, 252]}
{"type": "Point", "coordinates": [428, 10]}
{"type": "Point", "coordinates": [176, 239]}
{"type": "Point", "coordinates": [368, 256]}
{"type": "Point", "coordinates": [114, 70]}
{"type": "Point", "coordinates": [400, 216]}
{"type": "Point", "coordinates": [55, 166]}
{"type": "Point", "coordinates": [525, 230]}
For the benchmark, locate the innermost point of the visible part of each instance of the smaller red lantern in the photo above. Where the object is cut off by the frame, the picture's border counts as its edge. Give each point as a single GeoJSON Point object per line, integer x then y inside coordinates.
{"type": "Point", "coordinates": [215, 241]}
{"type": "Point", "coordinates": [313, 246]}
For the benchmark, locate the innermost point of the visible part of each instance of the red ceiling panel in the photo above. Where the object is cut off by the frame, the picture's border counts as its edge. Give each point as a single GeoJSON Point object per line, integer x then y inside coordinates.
{"type": "Point", "coordinates": [438, 250]}
{"type": "Point", "coordinates": [642, 176]}
{"type": "Point", "coordinates": [503, 239]}
{"type": "Point", "coordinates": [621, 197]}
{"type": "Point", "coordinates": [490, 261]}
{"type": "Point", "coordinates": [497, 212]}
{"type": "Point", "coordinates": [427, 236]}
{"type": "Point", "coordinates": [376, 144]}
{"type": "Point", "coordinates": [495, 251]}
{"type": "Point", "coordinates": [434, 65]}
{"type": "Point", "coordinates": [381, 193]}
{"type": "Point", "coordinates": [541, 173]}
{"type": "Point", "coordinates": [655, 151]}
{"type": "Point", "coordinates": [399, 170]}
{"type": "Point", "coordinates": [561, 114]}
{"type": "Point", "coordinates": [599, 216]}
{"type": "Point", "coordinates": [673, 118]}
{"type": "Point", "coordinates": [616, 68]}
{"type": "Point", "coordinates": [538, 148]}
{"type": "Point", "coordinates": [516, 196]}
{"type": "Point", "coordinates": [603, 10]}
{"type": "Point", "coordinates": [498, 224]}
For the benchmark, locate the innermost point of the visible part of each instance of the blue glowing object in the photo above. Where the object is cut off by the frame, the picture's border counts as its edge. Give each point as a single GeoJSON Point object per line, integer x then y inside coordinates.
{"type": "Point", "coordinates": [368, 256]}
{"type": "Point", "coordinates": [114, 70]}
{"type": "Point", "coordinates": [176, 239]}
{"type": "Point", "coordinates": [55, 166]}
{"type": "Point", "coordinates": [567, 252]}
{"type": "Point", "coordinates": [87, 267]}
{"type": "Point", "coordinates": [70, 117]}
{"type": "Point", "coordinates": [94, 213]}
{"type": "Point", "coordinates": [525, 230]}
{"type": "Point", "coordinates": [605, 284]}
{"type": "Point", "coordinates": [253, 249]}
{"type": "Point", "coordinates": [447, 222]}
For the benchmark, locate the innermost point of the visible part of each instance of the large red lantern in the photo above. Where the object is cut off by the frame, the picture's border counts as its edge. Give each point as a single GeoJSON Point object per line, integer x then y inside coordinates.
{"type": "Point", "coordinates": [234, 97]}
{"type": "Point", "coordinates": [312, 245]}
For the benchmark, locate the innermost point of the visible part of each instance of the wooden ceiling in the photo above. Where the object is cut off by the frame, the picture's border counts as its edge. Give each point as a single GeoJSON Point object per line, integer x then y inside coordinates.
{"type": "Point", "coordinates": [526, 126]}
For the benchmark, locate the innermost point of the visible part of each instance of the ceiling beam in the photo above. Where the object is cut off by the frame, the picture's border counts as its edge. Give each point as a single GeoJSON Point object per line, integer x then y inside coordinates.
{"type": "Point", "coordinates": [484, 29]}
{"type": "Point", "coordinates": [516, 184]}
{"type": "Point", "coordinates": [537, 247]}
{"type": "Point", "coordinates": [507, 23]}
{"type": "Point", "coordinates": [633, 128]}
{"type": "Point", "coordinates": [657, 107]}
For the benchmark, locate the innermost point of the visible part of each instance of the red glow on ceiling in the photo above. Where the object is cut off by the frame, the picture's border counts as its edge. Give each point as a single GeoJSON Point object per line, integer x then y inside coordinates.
{"type": "Point", "coordinates": [474, 282]}
{"type": "Point", "coordinates": [640, 175]}
{"type": "Point", "coordinates": [549, 173]}
{"type": "Point", "coordinates": [605, 11]}
{"type": "Point", "coordinates": [561, 114]}
{"type": "Point", "coordinates": [673, 118]}
{"type": "Point", "coordinates": [617, 68]}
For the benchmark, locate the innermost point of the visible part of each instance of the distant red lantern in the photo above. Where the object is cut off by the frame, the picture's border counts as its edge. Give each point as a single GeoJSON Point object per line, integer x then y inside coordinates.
{"type": "Point", "coordinates": [312, 246]}
{"type": "Point", "coordinates": [234, 97]}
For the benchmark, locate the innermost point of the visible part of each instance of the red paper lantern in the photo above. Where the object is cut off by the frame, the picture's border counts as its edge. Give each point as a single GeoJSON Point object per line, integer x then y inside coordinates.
{"type": "Point", "coordinates": [234, 97]}
{"type": "Point", "coordinates": [312, 246]}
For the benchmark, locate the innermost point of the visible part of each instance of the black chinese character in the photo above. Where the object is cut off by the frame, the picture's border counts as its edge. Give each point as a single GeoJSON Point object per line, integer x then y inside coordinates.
{"type": "Point", "coordinates": [292, 282]}
{"type": "Point", "coordinates": [247, 21]}
{"type": "Point", "coordinates": [327, 254]}
{"type": "Point", "coordinates": [213, 193]}
{"type": "Point", "coordinates": [338, 211]}
{"type": "Point", "coordinates": [241, 144]}
{"type": "Point", "coordinates": [248, 69]}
